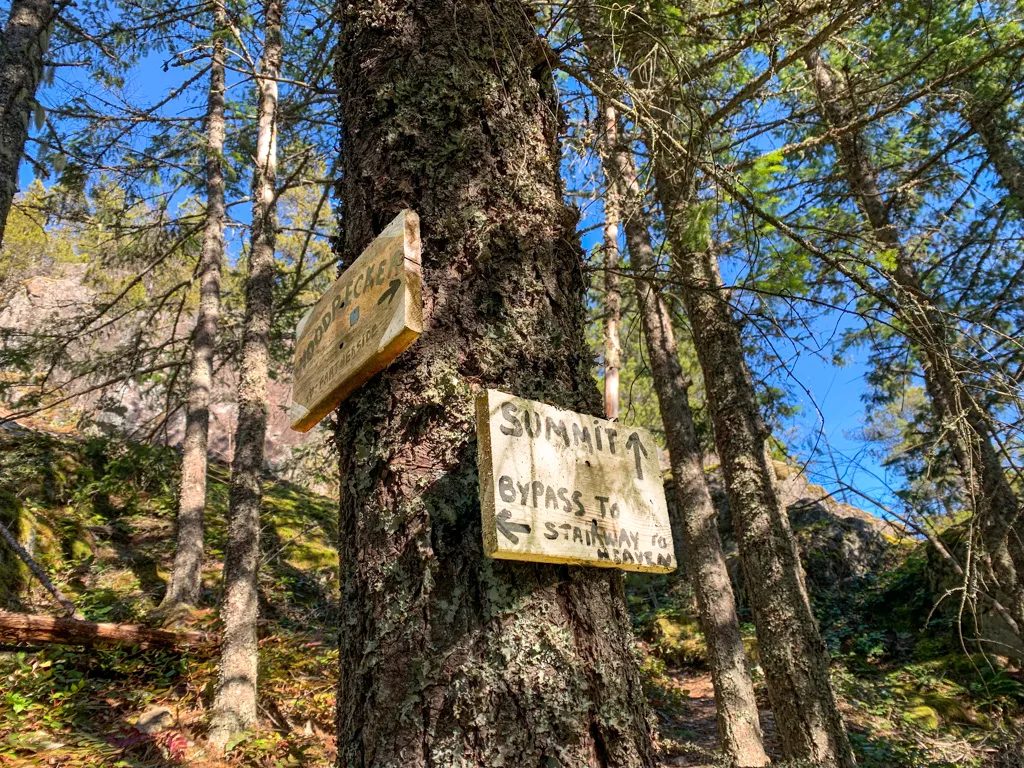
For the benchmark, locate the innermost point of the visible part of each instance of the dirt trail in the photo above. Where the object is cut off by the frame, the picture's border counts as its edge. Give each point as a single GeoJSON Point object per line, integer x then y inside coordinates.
{"type": "Point", "coordinates": [694, 732]}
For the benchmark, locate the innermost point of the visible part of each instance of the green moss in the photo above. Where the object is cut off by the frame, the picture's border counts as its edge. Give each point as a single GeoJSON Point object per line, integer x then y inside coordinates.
{"type": "Point", "coordinates": [923, 716]}
{"type": "Point", "coordinates": [312, 556]}
{"type": "Point", "coordinates": [34, 533]}
{"type": "Point", "coordinates": [81, 549]}
{"type": "Point", "coordinates": [949, 707]}
{"type": "Point", "coordinates": [679, 640]}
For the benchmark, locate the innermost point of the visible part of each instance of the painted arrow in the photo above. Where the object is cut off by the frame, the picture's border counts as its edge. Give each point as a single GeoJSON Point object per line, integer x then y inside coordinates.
{"type": "Point", "coordinates": [390, 293]}
{"type": "Point", "coordinates": [638, 448]}
{"type": "Point", "coordinates": [510, 529]}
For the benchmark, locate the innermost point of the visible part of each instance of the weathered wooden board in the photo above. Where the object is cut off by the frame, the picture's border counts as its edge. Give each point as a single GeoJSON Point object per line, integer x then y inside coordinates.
{"type": "Point", "coordinates": [561, 487]}
{"type": "Point", "coordinates": [369, 316]}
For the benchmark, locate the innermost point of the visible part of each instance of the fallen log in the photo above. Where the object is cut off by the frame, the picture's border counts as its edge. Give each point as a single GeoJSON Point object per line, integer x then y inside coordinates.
{"type": "Point", "coordinates": [30, 628]}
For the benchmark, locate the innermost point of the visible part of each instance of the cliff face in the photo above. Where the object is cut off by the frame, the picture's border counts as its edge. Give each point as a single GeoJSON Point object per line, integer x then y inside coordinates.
{"type": "Point", "coordinates": [56, 303]}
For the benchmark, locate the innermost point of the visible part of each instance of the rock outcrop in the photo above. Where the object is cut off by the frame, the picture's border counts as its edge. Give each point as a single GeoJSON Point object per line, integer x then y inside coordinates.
{"type": "Point", "coordinates": [129, 408]}
{"type": "Point", "coordinates": [839, 543]}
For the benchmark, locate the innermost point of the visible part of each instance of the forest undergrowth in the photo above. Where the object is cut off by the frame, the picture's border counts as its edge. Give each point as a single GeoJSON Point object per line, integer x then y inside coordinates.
{"type": "Point", "coordinates": [100, 515]}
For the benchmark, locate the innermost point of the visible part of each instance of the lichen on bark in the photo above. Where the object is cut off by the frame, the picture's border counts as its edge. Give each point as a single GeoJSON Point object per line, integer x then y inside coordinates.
{"type": "Point", "coordinates": [449, 658]}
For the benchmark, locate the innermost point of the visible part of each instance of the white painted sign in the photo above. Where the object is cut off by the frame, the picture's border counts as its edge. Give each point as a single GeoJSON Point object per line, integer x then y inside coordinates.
{"type": "Point", "coordinates": [562, 487]}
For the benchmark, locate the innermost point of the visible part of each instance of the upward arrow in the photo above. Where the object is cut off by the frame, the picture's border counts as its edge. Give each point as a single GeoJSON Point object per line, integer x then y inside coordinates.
{"type": "Point", "coordinates": [389, 294]}
{"type": "Point", "coordinates": [638, 448]}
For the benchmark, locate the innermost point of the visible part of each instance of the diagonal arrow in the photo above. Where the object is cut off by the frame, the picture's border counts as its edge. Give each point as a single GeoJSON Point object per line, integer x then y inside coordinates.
{"type": "Point", "coordinates": [638, 448]}
{"type": "Point", "coordinates": [390, 293]}
{"type": "Point", "coordinates": [510, 529]}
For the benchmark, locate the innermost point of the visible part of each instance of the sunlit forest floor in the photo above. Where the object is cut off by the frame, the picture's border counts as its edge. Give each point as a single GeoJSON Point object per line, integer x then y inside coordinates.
{"type": "Point", "coordinates": [100, 517]}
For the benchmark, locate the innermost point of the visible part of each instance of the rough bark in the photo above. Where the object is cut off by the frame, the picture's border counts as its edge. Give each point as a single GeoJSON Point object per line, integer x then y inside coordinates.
{"type": "Point", "coordinates": [449, 658]}
{"type": "Point", "coordinates": [965, 425]}
{"type": "Point", "coordinates": [234, 706]}
{"type": "Point", "coordinates": [186, 575]}
{"type": "Point", "coordinates": [612, 291]}
{"type": "Point", "coordinates": [793, 654]}
{"type": "Point", "coordinates": [738, 723]}
{"type": "Point", "coordinates": [27, 628]}
{"type": "Point", "coordinates": [21, 69]}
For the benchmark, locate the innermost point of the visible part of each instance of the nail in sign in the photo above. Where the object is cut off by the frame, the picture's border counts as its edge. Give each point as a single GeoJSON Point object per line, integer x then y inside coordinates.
{"type": "Point", "coordinates": [562, 487]}
{"type": "Point", "coordinates": [367, 318]}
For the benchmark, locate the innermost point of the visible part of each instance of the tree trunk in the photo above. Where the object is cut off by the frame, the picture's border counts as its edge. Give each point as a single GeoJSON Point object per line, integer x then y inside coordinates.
{"type": "Point", "coordinates": [966, 426]}
{"type": "Point", "coordinates": [234, 706]}
{"type": "Point", "coordinates": [738, 723]}
{"type": "Point", "coordinates": [987, 121]}
{"type": "Point", "coordinates": [793, 654]}
{"type": "Point", "coordinates": [185, 582]}
{"type": "Point", "coordinates": [449, 658]}
{"type": "Point", "coordinates": [612, 292]}
{"type": "Point", "coordinates": [21, 69]}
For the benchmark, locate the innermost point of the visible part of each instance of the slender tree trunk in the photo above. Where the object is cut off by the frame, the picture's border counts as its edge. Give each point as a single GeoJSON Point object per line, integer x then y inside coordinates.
{"type": "Point", "coordinates": [184, 585]}
{"type": "Point", "coordinates": [794, 656]}
{"type": "Point", "coordinates": [449, 658]}
{"type": "Point", "coordinates": [12, 541]}
{"type": "Point", "coordinates": [21, 70]}
{"type": "Point", "coordinates": [612, 292]}
{"type": "Point", "coordinates": [966, 426]}
{"type": "Point", "coordinates": [738, 723]}
{"type": "Point", "coordinates": [234, 706]}
{"type": "Point", "coordinates": [987, 121]}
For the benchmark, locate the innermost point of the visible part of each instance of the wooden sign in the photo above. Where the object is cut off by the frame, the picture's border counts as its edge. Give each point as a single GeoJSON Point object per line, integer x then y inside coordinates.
{"type": "Point", "coordinates": [561, 487]}
{"type": "Point", "coordinates": [367, 318]}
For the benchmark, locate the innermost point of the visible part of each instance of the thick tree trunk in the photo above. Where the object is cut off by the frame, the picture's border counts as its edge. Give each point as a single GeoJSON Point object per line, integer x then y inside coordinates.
{"type": "Point", "coordinates": [612, 291]}
{"type": "Point", "coordinates": [21, 70]}
{"type": "Point", "coordinates": [234, 706]}
{"type": "Point", "coordinates": [738, 723]}
{"type": "Point", "coordinates": [28, 628]}
{"type": "Point", "coordinates": [449, 658]}
{"type": "Point", "coordinates": [184, 584]}
{"type": "Point", "coordinates": [966, 426]}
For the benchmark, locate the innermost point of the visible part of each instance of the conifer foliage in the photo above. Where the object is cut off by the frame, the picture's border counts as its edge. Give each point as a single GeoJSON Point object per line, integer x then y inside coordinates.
{"type": "Point", "coordinates": [688, 216]}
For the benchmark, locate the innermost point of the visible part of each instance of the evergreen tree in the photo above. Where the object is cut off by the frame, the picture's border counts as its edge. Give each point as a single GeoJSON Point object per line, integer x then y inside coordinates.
{"type": "Point", "coordinates": [185, 580]}
{"type": "Point", "coordinates": [234, 705]}
{"type": "Point", "coordinates": [448, 657]}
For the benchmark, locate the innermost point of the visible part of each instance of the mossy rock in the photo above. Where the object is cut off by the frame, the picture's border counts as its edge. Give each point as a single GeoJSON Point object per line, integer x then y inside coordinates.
{"type": "Point", "coordinates": [78, 542]}
{"type": "Point", "coordinates": [923, 716]}
{"type": "Point", "coordinates": [753, 650]}
{"type": "Point", "coordinates": [679, 640]}
{"type": "Point", "coordinates": [33, 533]}
{"type": "Point", "coordinates": [950, 708]}
{"type": "Point", "coordinates": [930, 647]}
